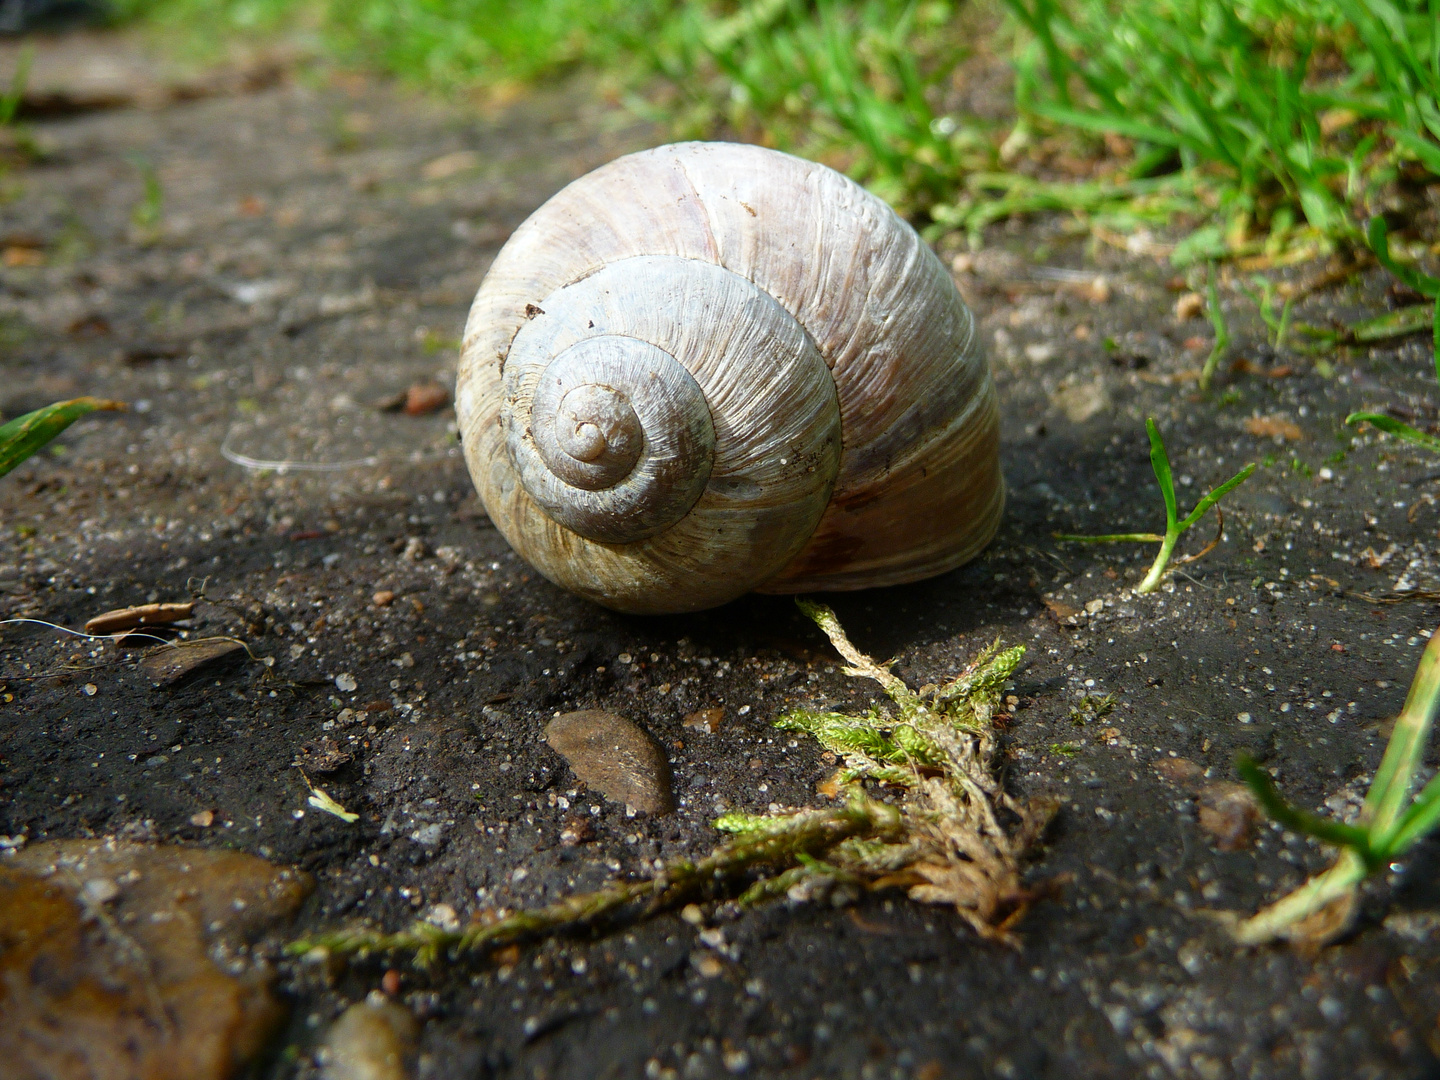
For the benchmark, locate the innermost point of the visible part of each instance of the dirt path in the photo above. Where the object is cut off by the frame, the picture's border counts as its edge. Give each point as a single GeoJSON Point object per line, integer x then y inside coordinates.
{"type": "Point", "coordinates": [310, 252]}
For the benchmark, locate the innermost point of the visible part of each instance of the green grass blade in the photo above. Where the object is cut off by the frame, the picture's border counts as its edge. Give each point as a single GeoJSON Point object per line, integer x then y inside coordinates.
{"type": "Point", "coordinates": [1397, 323]}
{"type": "Point", "coordinates": [1421, 818]}
{"type": "Point", "coordinates": [10, 102]}
{"type": "Point", "coordinates": [1295, 819]}
{"type": "Point", "coordinates": [1378, 236]}
{"type": "Point", "coordinates": [1111, 538]}
{"type": "Point", "coordinates": [1160, 462]}
{"type": "Point", "coordinates": [1216, 495]}
{"type": "Point", "coordinates": [1390, 790]}
{"type": "Point", "coordinates": [1222, 331]}
{"type": "Point", "coordinates": [1398, 428]}
{"type": "Point", "coordinates": [26, 434]}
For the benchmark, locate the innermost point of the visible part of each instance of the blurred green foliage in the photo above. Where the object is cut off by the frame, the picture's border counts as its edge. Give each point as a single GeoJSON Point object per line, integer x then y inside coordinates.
{"type": "Point", "coordinates": [1268, 126]}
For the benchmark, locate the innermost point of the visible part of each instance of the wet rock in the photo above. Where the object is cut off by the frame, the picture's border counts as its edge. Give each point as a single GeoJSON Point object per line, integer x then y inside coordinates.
{"type": "Point", "coordinates": [370, 1041]}
{"type": "Point", "coordinates": [174, 662]}
{"type": "Point", "coordinates": [616, 757]}
{"type": "Point", "coordinates": [125, 960]}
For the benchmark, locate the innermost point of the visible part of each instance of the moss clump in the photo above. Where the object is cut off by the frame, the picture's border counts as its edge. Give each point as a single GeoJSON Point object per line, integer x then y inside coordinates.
{"type": "Point", "coordinates": [946, 832]}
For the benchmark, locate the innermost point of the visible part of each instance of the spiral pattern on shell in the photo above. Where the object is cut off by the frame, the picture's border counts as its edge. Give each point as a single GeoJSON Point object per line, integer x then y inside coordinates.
{"type": "Point", "coordinates": [710, 368]}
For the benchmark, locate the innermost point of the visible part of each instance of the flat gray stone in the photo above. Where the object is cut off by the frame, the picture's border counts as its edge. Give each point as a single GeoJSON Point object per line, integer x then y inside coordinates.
{"type": "Point", "coordinates": [616, 757]}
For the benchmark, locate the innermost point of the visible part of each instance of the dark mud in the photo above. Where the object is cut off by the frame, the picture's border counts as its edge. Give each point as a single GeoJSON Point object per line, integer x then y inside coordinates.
{"type": "Point", "coordinates": [312, 254]}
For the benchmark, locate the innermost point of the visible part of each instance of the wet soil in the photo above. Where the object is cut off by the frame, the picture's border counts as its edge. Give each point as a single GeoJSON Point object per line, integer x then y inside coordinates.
{"type": "Point", "coordinates": [311, 253]}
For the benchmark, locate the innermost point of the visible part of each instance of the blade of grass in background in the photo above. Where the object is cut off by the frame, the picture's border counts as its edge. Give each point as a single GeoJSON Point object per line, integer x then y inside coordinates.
{"type": "Point", "coordinates": [1276, 110]}
{"type": "Point", "coordinates": [23, 436]}
{"type": "Point", "coordinates": [1263, 127]}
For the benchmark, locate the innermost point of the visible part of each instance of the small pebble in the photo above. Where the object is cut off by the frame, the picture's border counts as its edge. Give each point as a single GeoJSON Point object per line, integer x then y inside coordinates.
{"type": "Point", "coordinates": [383, 598]}
{"type": "Point", "coordinates": [616, 757]}
{"type": "Point", "coordinates": [370, 1041]}
{"type": "Point", "coordinates": [203, 820]}
{"type": "Point", "coordinates": [707, 720]}
{"type": "Point", "coordinates": [1189, 306]}
{"type": "Point", "coordinates": [425, 398]}
{"type": "Point", "coordinates": [345, 683]}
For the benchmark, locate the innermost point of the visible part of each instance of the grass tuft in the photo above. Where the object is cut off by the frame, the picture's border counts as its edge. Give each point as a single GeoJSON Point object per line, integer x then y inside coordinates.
{"type": "Point", "coordinates": [1427, 286]}
{"type": "Point", "coordinates": [1174, 525]}
{"type": "Point", "coordinates": [1266, 127]}
{"type": "Point", "coordinates": [1390, 823]}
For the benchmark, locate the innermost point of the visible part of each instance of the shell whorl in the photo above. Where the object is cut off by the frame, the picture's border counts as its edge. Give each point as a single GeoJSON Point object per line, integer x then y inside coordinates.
{"type": "Point", "coordinates": [617, 444]}
{"type": "Point", "coordinates": [852, 434]}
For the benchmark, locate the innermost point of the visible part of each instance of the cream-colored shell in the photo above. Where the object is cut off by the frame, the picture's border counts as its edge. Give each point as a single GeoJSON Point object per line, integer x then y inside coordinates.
{"type": "Point", "coordinates": [834, 420]}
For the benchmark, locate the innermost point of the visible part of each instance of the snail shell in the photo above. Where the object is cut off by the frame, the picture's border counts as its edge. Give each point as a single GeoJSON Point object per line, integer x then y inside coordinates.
{"type": "Point", "coordinates": [709, 368]}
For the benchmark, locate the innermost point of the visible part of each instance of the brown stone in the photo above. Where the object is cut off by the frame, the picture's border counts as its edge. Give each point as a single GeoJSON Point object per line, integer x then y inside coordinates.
{"type": "Point", "coordinates": [1228, 812]}
{"type": "Point", "coordinates": [616, 757]}
{"type": "Point", "coordinates": [106, 969]}
{"type": "Point", "coordinates": [1182, 772]}
{"type": "Point", "coordinates": [707, 720]}
{"type": "Point", "coordinates": [370, 1041]}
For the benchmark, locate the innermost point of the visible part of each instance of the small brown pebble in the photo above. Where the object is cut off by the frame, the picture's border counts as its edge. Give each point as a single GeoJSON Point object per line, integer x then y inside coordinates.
{"type": "Point", "coordinates": [370, 1041]}
{"type": "Point", "coordinates": [707, 965]}
{"type": "Point", "coordinates": [390, 982]}
{"type": "Point", "coordinates": [378, 706]}
{"type": "Point", "coordinates": [1189, 306]}
{"type": "Point", "coordinates": [203, 820]}
{"type": "Point", "coordinates": [707, 720]}
{"type": "Point", "coordinates": [577, 830]}
{"type": "Point", "coordinates": [1228, 812]}
{"type": "Point", "coordinates": [1182, 772]}
{"type": "Point", "coordinates": [383, 598]}
{"type": "Point", "coordinates": [509, 956]}
{"type": "Point", "coordinates": [615, 756]}
{"type": "Point", "coordinates": [425, 398]}
{"type": "Point", "coordinates": [1060, 612]}
{"type": "Point", "coordinates": [1274, 427]}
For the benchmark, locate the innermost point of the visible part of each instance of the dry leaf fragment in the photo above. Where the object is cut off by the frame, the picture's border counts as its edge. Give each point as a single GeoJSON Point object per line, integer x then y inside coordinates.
{"type": "Point", "coordinates": [172, 663]}
{"type": "Point", "coordinates": [113, 622]}
{"type": "Point", "coordinates": [321, 801]}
